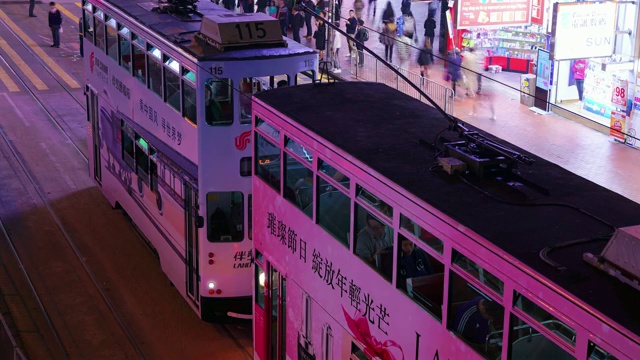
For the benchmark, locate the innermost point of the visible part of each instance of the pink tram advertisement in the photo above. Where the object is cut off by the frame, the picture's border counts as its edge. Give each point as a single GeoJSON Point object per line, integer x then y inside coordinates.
{"type": "Point", "coordinates": [327, 305]}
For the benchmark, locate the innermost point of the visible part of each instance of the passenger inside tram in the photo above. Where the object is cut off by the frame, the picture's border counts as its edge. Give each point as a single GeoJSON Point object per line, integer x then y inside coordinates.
{"type": "Point", "coordinates": [476, 319]}
{"type": "Point", "coordinates": [375, 246]}
{"type": "Point", "coordinates": [413, 261]}
{"type": "Point", "coordinates": [217, 100]}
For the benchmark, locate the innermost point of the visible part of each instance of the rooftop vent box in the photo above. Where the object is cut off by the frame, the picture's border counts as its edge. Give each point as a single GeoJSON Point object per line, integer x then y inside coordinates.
{"type": "Point", "coordinates": [621, 257]}
{"type": "Point", "coordinates": [232, 31]}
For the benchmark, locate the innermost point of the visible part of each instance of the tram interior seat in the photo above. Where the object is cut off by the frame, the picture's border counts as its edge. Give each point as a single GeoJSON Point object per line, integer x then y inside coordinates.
{"type": "Point", "coordinates": [428, 289]}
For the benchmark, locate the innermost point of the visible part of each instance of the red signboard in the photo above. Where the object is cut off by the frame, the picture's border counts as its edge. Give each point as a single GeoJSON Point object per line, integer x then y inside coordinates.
{"type": "Point", "coordinates": [490, 13]}
{"type": "Point", "coordinates": [537, 11]}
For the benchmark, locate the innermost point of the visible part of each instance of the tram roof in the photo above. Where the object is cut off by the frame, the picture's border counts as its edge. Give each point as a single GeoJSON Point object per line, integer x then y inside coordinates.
{"type": "Point", "coordinates": [383, 129]}
{"type": "Point", "coordinates": [171, 29]}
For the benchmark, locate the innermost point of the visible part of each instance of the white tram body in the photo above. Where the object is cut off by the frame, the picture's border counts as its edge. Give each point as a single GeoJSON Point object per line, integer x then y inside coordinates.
{"type": "Point", "coordinates": [169, 133]}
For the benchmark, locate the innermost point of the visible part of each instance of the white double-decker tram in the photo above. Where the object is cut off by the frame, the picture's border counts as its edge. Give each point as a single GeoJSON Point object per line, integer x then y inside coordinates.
{"type": "Point", "coordinates": [169, 105]}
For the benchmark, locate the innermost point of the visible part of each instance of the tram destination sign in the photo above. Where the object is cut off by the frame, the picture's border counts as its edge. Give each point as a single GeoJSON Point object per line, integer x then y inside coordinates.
{"type": "Point", "coordinates": [241, 30]}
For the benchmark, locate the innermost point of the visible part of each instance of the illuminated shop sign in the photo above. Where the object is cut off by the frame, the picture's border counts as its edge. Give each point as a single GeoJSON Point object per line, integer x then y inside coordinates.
{"type": "Point", "coordinates": [583, 30]}
{"type": "Point", "coordinates": [492, 13]}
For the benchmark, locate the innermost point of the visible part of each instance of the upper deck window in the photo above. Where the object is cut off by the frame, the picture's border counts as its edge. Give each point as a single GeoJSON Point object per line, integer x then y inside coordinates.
{"type": "Point", "coordinates": [99, 14]}
{"type": "Point", "coordinates": [595, 352]}
{"type": "Point", "coordinates": [125, 48]}
{"type": "Point", "coordinates": [267, 161]}
{"type": "Point", "coordinates": [88, 6]}
{"type": "Point", "coordinates": [154, 69]}
{"type": "Point", "coordinates": [301, 151]}
{"type": "Point", "coordinates": [267, 129]}
{"type": "Point", "coordinates": [333, 173]}
{"type": "Point", "coordinates": [172, 82]}
{"type": "Point", "coordinates": [478, 272]}
{"type": "Point", "coordinates": [112, 39]}
{"type": "Point", "coordinates": [421, 233]}
{"type": "Point", "coordinates": [374, 201]}
{"type": "Point", "coordinates": [139, 58]}
{"type": "Point", "coordinates": [248, 87]}
{"type": "Point", "coordinates": [334, 210]}
{"type": "Point", "coordinates": [298, 185]}
{"type": "Point", "coordinates": [558, 327]}
{"type": "Point", "coordinates": [189, 109]}
{"type": "Point", "coordinates": [101, 37]}
{"type": "Point", "coordinates": [374, 241]}
{"type": "Point", "coordinates": [124, 31]}
{"type": "Point", "coordinates": [528, 343]}
{"type": "Point", "coordinates": [189, 74]}
{"type": "Point", "coordinates": [218, 102]}
{"type": "Point", "coordinates": [87, 25]}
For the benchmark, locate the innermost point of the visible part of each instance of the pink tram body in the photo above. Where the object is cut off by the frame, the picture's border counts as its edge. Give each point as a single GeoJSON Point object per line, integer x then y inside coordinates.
{"type": "Point", "coordinates": [367, 246]}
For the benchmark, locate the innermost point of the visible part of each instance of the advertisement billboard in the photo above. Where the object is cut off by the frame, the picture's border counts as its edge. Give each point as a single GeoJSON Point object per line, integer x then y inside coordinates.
{"type": "Point", "coordinates": [583, 30]}
{"type": "Point", "coordinates": [543, 70]}
{"type": "Point", "coordinates": [493, 13]}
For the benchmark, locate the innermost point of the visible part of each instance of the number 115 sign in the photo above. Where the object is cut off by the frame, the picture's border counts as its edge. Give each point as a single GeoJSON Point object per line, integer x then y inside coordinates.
{"type": "Point", "coordinates": [619, 92]}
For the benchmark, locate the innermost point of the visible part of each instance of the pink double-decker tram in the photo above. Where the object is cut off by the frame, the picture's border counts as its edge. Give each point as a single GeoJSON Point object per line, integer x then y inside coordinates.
{"type": "Point", "coordinates": [384, 229]}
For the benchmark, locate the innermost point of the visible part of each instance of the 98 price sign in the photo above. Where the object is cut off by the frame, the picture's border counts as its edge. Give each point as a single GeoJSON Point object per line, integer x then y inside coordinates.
{"type": "Point", "coordinates": [619, 92]}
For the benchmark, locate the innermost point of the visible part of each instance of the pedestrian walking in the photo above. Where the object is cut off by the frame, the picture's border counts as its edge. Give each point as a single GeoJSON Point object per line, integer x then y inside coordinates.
{"type": "Point", "coordinates": [351, 25]}
{"type": "Point", "coordinates": [425, 58]}
{"type": "Point", "coordinates": [404, 50]}
{"type": "Point", "coordinates": [430, 31]}
{"type": "Point", "coordinates": [262, 6]}
{"type": "Point", "coordinates": [296, 23]}
{"type": "Point", "coordinates": [283, 17]}
{"type": "Point", "coordinates": [486, 99]}
{"type": "Point", "coordinates": [307, 17]}
{"type": "Point", "coordinates": [409, 26]}
{"type": "Point", "coordinates": [55, 24]}
{"type": "Point", "coordinates": [388, 32]}
{"type": "Point", "coordinates": [454, 61]}
{"type": "Point", "coordinates": [373, 4]}
{"type": "Point", "coordinates": [470, 71]}
{"type": "Point", "coordinates": [320, 35]}
{"type": "Point", "coordinates": [32, 6]}
{"type": "Point", "coordinates": [337, 44]}
{"type": "Point", "coordinates": [362, 35]}
{"type": "Point", "coordinates": [358, 6]}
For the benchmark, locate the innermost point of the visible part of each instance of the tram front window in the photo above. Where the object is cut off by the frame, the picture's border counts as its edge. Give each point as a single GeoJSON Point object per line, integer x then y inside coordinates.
{"type": "Point", "coordinates": [225, 213]}
{"type": "Point", "coordinates": [218, 100]}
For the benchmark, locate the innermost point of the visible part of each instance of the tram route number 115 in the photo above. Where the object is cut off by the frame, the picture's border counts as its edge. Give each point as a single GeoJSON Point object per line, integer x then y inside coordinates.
{"type": "Point", "coordinates": [247, 31]}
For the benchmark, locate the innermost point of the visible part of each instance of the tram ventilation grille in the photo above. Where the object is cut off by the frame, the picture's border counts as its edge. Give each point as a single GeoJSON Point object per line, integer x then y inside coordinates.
{"type": "Point", "coordinates": [620, 257]}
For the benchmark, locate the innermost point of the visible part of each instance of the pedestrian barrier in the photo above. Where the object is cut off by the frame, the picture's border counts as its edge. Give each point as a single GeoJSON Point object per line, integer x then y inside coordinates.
{"type": "Point", "coordinates": [377, 71]}
{"type": "Point", "coordinates": [8, 347]}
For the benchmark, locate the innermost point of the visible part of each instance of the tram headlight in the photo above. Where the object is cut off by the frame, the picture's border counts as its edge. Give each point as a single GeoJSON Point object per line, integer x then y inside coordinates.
{"type": "Point", "coordinates": [211, 285]}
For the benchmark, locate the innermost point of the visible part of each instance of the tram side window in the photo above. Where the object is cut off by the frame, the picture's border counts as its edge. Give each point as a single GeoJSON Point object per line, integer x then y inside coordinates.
{"type": "Point", "coordinates": [478, 272]}
{"type": "Point", "coordinates": [248, 87]}
{"type": "Point", "coordinates": [88, 25]}
{"type": "Point", "coordinates": [334, 173]}
{"type": "Point", "coordinates": [334, 211]}
{"type": "Point", "coordinates": [125, 48]}
{"type": "Point", "coordinates": [112, 39]}
{"type": "Point", "coordinates": [225, 213]}
{"type": "Point", "coordinates": [421, 233]}
{"type": "Point", "coordinates": [139, 57]}
{"type": "Point", "coordinates": [154, 70]}
{"type": "Point", "coordinates": [555, 325]}
{"type": "Point", "coordinates": [421, 276]}
{"type": "Point", "coordinates": [142, 159]}
{"type": "Point", "coordinates": [595, 352]}
{"type": "Point", "coordinates": [528, 343]}
{"type": "Point", "coordinates": [172, 88]}
{"type": "Point", "coordinates": [127, 145]}
{"type": "Point", "coordinates": [189, 102]}
{"type": "Point", "coordinates": [101, 40]}
{"type": "Point", "coordinates": [374, 241]}
{"type": "Point", "coordinates": [218, 102]}
{"type": "Point", "coordinates": [475, 317]}
{"type": "Point", "coordinates": [298, 185]}
{"type": "Point", "coordinates": [267, 162]}
{"type": "Point", "coordinates": [374, 201]}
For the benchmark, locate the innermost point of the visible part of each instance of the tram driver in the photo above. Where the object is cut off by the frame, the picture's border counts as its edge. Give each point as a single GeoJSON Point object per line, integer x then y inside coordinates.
{"type": "Point", "coordinates": [212, 108]}
{"type": "Point", "coordinates": [375, 246]}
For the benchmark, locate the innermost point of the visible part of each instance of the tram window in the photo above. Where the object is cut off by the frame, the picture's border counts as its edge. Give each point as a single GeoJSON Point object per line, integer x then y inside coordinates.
{"type": "Point", "coordinates": [112, 39]}
{"type": "Point", "coordinates": [475, 317]}
{"type": "Point", "coordinates": [245, 166]}
{"type": "Point", "coordinates": [375, 201]}
{"type": "Point", "coordinates": [267, 162]}
{"type": "Point", "coordinates": [125, 48]}
{"type": "Point", "coordinates": [88, 25]}
{"type": "Point", "coordinates": [225, 212]}
{"type": "Point", "coordinates": [142, 159]}
{"type": "Point", "coordinates": [267, 128]}
{"type": "Point", "coordinates": [595, 352]}
{"type": "Point", "coordinates": [374, 241]}
{"type": "Point", "coordinates": [420, 233]}
{"type": "Point", "coordinates": [248, 87]}
{"type": "Point", "coordinates": [139, 64]}
{"type": "Point", "coordinates": [189, 102]}
{"type": "Point", "coordinates": [101, 40]}
{"type": "Point", "coordinates": [528, 343]}
{"type": "Point", "coordinates": [420, 276]}
{"type": "Point", "coordinates": [298, 185]}
{"type": "Point", "coordinates": [172, 88]}
{"type": "Point", "coordinates": [260, 288]}
{"type": "Point", "coordinates": [218, 102]}
{"type": "Point", "coordinates": [127, 145]}
{"type": "Point", "coordinates": [547, 320]}
{"type": "Point", "coordinates": [478, 272]}
{"type": "Point", "coordinates": [334, 173]}
{"type": "Point", "coordinates": [295, 148]}
{"type": "Point", "coordinates": [250, 217]}
{"type": "Point", "coordinates": [153, 171]}
{"type": "Point", "coordinates": [154, 69]}
{"type": "Point", "coordinates": [357, 353]}
{"type": "Point", "coordinates": [334, 211]}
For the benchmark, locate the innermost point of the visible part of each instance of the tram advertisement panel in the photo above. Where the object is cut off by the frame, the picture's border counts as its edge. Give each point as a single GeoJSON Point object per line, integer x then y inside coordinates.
{"type": "Point", "coordinates": [131, 98]}
{"type": "Point", "coordinates": [339, 307]}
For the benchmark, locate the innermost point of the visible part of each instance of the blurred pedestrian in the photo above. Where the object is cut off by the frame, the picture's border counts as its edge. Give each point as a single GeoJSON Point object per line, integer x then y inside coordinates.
{"type": "Point", "coordinates": [351, 25]}
{"type": "Point", "coordinates": [430, 31]}
{"type": "Point", "coordinates": [362, 35]}
{"type": "Point", "coordinates": [358, 6]}
{"type": "Point", "coordinates": [337, 44]}
{"type": "Point", "coordinates": [405, 6]}
{"type": "Point", "coordinates": [404, 50]}
{"type": "Point", "coordinates": [283, 17]}
{"type": "Point", "coordinates": [307, 17]}
{"type": "Point", "coordinates": [410, 30]}
{"type": "Point", "coordinates": [454, 61]}
{"type": "Point", "coordinates": [425, 58]}
{"type": "Point", "coordinates": [373, 4]}
{"type": "Point", "coordinates": [485, 99]}
{"type": "Point", "coordinates": [388, 32]}
{"type": "Point", "coordinates": [262, 6]}
{"type": "Point", "coordinates": [32, 6]}
{"type": "Point", "coordinates": [297, 22]}
{"type": "Point", "coordinates": [320, 35]}
{"type": "Point", "coordinates": [55, 24]}
{"type": "Point", "coordinates": [470, 71]}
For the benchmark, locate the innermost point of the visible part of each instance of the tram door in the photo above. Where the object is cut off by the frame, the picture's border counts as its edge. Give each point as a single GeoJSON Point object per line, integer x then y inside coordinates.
{"type": "Point", "coordinates": [93, 114]}
{"type": "Point", "coordinates": [191, 239]}
{"type": "Point", "coordinates": [276, 315]}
